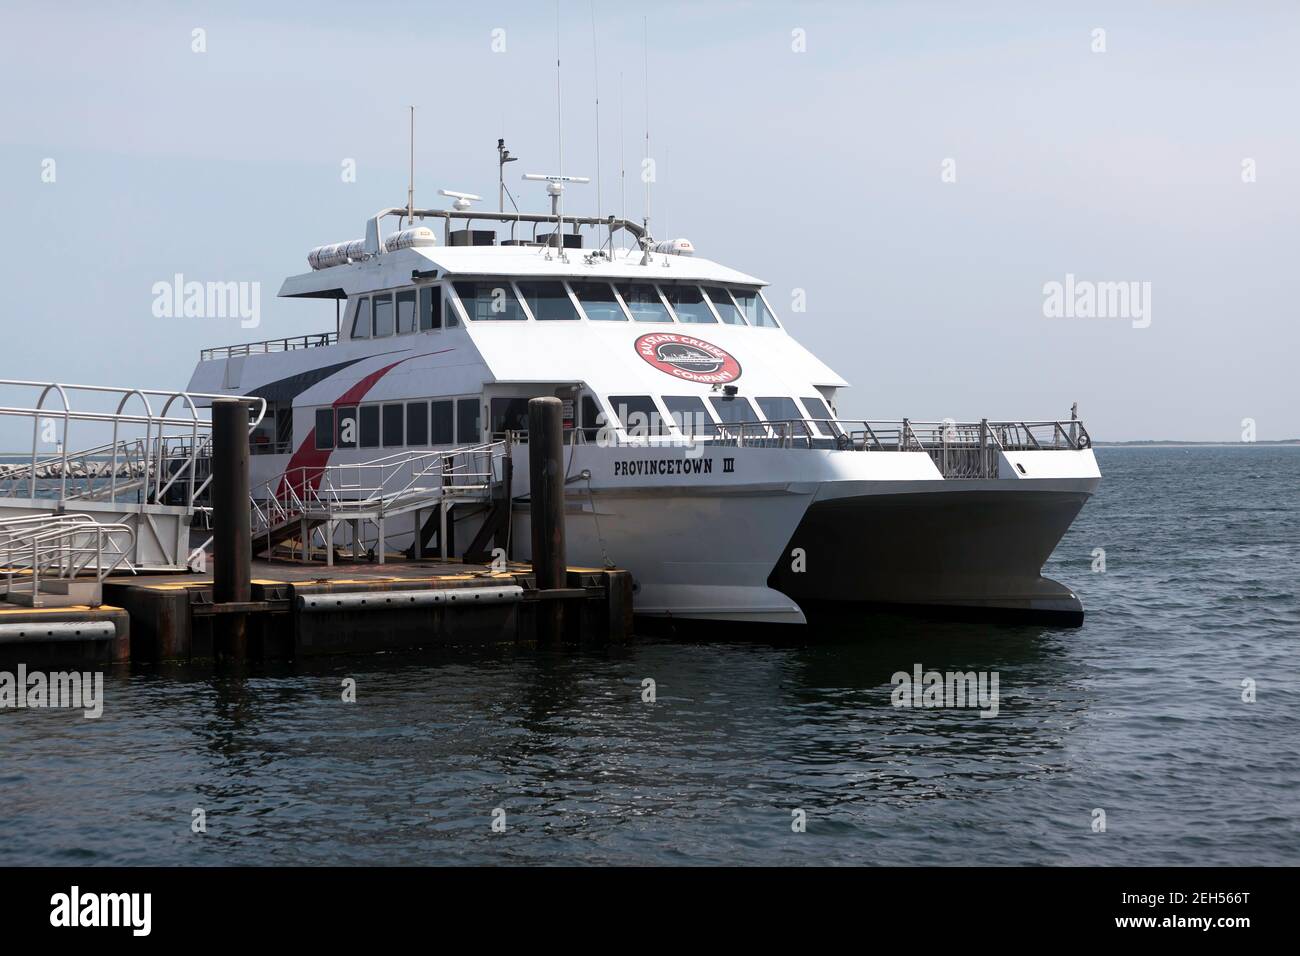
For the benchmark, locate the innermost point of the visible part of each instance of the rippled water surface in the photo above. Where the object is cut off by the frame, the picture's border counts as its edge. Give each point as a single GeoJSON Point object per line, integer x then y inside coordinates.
{"type": "Point", "coordinates": [1138, 713]}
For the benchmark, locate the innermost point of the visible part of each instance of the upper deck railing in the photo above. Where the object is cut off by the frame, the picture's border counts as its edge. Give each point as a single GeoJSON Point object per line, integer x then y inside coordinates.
{"type": "Point", "coordinates": [958, 449]}
{"type": "Point", "coordinates": [289, 344]}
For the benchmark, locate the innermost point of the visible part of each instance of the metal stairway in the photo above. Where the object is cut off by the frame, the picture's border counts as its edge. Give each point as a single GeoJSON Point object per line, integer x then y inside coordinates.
{"type": "Point", "coordinates": [306, 504]}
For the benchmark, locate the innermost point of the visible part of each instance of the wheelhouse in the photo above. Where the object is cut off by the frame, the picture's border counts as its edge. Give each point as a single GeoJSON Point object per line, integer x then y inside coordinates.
{"type": "Point", "coordinates": [518, 319]}
{"type": "Point", "coordinates": [431, 306]}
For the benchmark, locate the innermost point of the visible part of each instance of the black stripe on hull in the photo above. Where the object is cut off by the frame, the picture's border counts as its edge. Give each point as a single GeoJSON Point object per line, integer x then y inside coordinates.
{"type": "Point", "coordinates": [285, 390]}
{"type": "Point", "coordinates": [967, 554]}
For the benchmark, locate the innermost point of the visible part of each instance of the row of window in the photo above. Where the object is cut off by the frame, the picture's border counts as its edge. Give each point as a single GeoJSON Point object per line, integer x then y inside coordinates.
{"type": "Point", "coordinates": [456, 421]}
{"type": "Point", "coordinates": [399, 424]}
{"type": "Point", "coordinates": [424, 309]}
{"type": "Point", "coordinates": [642, 415]}
{"type": "Point", "coordinates": [396, 313]}
{"type": "Point", "coordinates": [552, 300]}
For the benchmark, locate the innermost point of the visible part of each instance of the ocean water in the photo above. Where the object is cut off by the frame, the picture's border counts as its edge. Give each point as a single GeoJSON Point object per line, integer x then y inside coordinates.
{"type": "Point", "coordinates": [1139, 714]}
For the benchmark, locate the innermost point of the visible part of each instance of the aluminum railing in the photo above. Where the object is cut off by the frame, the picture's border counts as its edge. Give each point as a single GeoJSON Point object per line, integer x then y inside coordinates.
{"type": "Point", "coordinates": [152, 457]}
{"type": "Point", "coordinates": [292, 343]}
{"type": "Point", "coordinates": [384, 486]}
{"type": "Point", "coordinates": [66, 546]}
{"type": "Point", "coordinates": [958, 449]}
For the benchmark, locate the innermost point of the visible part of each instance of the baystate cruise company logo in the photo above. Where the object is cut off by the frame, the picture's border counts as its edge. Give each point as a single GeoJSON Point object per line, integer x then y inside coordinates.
{"type": "Point", "coordinates": [688, 358]}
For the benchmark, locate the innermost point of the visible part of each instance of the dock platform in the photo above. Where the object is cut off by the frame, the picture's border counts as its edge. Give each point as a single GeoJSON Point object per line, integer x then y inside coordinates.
{"type": "Point", "coordinates": [300, 610]}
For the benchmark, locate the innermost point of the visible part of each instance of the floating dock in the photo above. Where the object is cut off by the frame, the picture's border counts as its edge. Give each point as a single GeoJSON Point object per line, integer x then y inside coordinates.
{"type": "Point", "coordinates": [267, 609]}
{"type": "Point", "coordinates": [302, 610]}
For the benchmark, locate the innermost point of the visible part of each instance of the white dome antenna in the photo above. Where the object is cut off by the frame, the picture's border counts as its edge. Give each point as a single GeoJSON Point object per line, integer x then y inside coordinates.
{"type": "Point", "coordinates": [462, 200]}
{"type": "Point", "coordinates": [555, 189]}
{"type": "Point", "coordinates": [555, 185]}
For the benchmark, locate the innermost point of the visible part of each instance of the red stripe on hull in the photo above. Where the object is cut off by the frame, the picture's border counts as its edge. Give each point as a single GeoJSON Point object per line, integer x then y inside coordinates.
{"type": "Point", "coordinates": [310, 461]}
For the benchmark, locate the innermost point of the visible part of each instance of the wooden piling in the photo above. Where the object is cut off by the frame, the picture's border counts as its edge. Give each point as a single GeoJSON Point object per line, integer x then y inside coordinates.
{"type": "Point", "coordinates": [232, 544]}
{"type": "Point", "coordinates": [546, 497]}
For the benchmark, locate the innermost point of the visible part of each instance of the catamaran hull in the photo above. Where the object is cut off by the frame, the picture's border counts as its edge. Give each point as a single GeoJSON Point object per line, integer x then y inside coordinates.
{"type": "Point", "coordinates": [977, 551]}
{"type": "Point", "coordinates": [825, 532]}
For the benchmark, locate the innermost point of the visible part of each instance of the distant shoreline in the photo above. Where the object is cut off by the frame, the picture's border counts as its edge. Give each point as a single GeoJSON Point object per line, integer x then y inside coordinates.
{"type": "Point", "coordinates": [1158, 443]}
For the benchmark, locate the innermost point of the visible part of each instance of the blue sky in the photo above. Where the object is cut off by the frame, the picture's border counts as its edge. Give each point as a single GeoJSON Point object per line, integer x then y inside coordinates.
{"type": "Point", "coordinates": [818, 170]}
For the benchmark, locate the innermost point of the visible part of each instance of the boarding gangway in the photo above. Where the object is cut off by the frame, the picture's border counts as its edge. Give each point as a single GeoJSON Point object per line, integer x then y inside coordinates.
{"type": "Point", "coordinates": [312, 502]}
{"type": "Point", "coordinates": [135, 457]}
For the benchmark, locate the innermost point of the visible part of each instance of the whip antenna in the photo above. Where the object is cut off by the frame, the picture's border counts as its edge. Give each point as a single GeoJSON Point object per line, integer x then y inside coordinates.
{"type": "Point", "coordinates": [410, 183]}
{"type": "Point", "coordinates": [622, 165]}
{"type": "Point", "coordinates": [595, 71]}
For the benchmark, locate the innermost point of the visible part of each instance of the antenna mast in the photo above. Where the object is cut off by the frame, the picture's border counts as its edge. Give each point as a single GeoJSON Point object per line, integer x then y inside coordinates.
{"type": "Point", "coordinates": [410, 187]}
{"type": "Point", "coordinates": [503, 157]}
{"type": "Point", "coordinates": [645, 52]}
{"type": "Point", "coordinates": [595, 72]}
{"type": "Point", "coordinates": [622, 165]}
{"type": "Point", "coordinates": [559, 128]}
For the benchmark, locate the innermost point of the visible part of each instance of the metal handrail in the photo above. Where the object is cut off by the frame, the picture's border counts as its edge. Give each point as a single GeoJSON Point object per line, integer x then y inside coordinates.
{"type": "Point", "coordinates": [860, 435]}
{"type": "Point", "coordinates": [37, 543]}
{"type": "Point", "coordinates": [288, 344]}
{"type": "Point", "coordinates": [904, 435]}
{"type": "Point", "coordinates": [166, 456]}
{"type": "Point", "coordinates": [958, 449]}
{"type": "Point", "coordinates": [378, 486]}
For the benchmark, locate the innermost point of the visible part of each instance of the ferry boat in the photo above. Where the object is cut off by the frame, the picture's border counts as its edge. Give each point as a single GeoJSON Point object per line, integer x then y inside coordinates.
{"type": "Point", "coordinates": [704, 450]}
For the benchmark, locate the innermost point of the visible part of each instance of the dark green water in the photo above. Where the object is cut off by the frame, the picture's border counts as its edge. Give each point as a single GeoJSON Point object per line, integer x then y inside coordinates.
{"type": "Point", "coordinates": [1138, 713]}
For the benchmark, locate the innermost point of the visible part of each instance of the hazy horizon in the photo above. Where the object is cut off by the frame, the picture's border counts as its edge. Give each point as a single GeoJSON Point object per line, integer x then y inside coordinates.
{"type": "Point", "coordinates": [1164, 161]}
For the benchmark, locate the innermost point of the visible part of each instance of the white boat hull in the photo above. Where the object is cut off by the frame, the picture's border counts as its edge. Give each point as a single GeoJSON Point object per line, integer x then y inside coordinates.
{"type": "Point", "coordinates": [763, 535]}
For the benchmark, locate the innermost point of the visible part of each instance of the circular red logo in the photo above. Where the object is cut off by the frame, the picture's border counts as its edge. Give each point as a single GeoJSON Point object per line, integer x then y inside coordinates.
{"type": "Point", "coordinates": [688, 358]}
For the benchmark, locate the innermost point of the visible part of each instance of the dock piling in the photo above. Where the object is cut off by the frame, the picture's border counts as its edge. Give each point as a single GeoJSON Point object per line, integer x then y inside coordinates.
{"type": "Point", "coordinates": [232, 543]}
{"type": "Point", "coordinates": [546, 496]}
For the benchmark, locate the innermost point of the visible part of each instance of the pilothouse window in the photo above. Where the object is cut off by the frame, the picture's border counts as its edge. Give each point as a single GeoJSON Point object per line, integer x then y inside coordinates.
{"type": "Point", "coordinates": [722, 301]}
{"type": "Point", "coordinates": [689, 304]}
{"type": "Point", "coordinates": [490, 301]}
{"type": "Point", "coordinates": [430, 308]}
{"type": "Point", "coordinates": [383, 316]}
{"type": "Point", "coordinates": [599, 302]}
{"type": "Point", "coordinates": [405, 312]}
{"type": "Point", "coordinates": [548, 301]}
{"type": "Point", "coordinates": [361, 323]}
{"type": "Point", "coordinates": [755, 309]}
{"type": "Point", "coordinates": [644, 303]}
